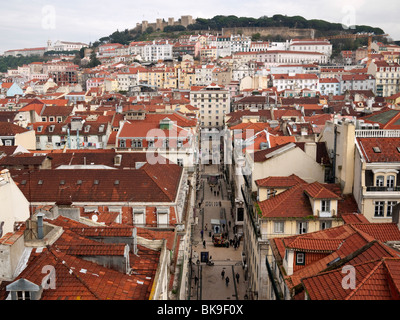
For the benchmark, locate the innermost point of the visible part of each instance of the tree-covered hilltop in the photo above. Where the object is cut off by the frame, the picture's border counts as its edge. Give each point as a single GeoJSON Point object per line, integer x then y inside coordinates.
{"type": "Point", "coordinates": [11, 62]}
{"type": "Point", "coordinates": [278, 20]}
{"type": "Point", "coordinates": [217, 23]}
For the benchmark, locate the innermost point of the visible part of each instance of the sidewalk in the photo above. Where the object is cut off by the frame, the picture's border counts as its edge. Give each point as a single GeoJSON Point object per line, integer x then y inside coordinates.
{"type": "Point", "coordinates": [211, 286]}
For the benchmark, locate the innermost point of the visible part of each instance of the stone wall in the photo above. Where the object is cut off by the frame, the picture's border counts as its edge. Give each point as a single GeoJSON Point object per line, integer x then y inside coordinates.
{"type": "Point", "coordinates": [271, 31]}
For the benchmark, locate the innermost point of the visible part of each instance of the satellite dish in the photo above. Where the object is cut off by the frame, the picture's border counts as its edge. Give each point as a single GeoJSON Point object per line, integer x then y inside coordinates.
{"type": "Point", "coordinates": [95, 218]}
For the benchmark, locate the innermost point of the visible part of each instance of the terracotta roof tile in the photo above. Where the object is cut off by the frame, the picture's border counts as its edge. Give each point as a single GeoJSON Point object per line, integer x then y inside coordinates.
{"type": "Point", "coordinates": [279, 182]}
{"type": "Point", "coordinates": [150, 183]}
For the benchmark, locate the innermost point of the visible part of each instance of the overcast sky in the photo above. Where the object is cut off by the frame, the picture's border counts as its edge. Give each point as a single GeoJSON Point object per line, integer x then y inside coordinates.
{"type": "Point", "coordinates": [28, 24]}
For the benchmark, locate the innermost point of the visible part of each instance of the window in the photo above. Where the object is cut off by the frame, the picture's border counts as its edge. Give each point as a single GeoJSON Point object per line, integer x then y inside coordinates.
{"type": "Point", "coordinates": [23, 295]}
{"type": "Point", "coordinates": [122, 143]}
{"type": "Point", "coordinates": [379, 205]}
{"type": "Point", "coordinates": [325, 225]}
{"type": "Point", "coordinates": [300, 258]}
{"type": "Point", "coordinates": [389, 209]}
{"type": "Point", "coordinates": [137, 143]}
{"type": "Point", "coordinates": [302, 227]}
{"type": "Point", "coordinates": [390, 181]}
{"type": "Point", "coordinates": [179, 162]}
{"type": "Point", "coordinates": [162, 217]}
{"type": "Point", "coordinates": [325, 205]}
{"type": "Point", "coordinates": [279, 226]}
{"type": "Point", "coordinates": [138, 216]}
{"type": "Point", "coordinates": [379, 181]}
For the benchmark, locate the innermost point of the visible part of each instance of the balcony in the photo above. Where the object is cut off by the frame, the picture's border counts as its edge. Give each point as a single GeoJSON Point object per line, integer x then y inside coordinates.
{"type": "Point", "coordinates": [383, 189]}
{"type": "Point", "coordinates": [377, 133]}
{"type": "Point", "coordinates": [326, 214]}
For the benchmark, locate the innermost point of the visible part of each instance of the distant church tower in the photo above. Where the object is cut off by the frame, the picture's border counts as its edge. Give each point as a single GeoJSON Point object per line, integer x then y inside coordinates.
{"type": "Point", "coordinates": [49, 45]}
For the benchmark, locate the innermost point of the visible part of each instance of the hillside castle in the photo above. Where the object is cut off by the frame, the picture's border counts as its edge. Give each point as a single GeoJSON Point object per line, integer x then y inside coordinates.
{"type": "Point", "coordinates": [160, 24]}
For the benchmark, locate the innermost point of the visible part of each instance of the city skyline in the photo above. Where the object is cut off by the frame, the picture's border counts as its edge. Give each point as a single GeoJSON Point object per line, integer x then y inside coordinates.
{"type": "Point", "coordinates": [27, 25]}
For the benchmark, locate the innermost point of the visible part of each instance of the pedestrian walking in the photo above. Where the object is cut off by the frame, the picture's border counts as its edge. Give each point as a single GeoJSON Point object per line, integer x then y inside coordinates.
{"type": "Point", "coordinates": [204, 244]}
{"type": "Point", "coordinates": [195, 280]}
{"type": "Point", "coordinates": [217, 193]}
{"type": "Point", "coordinates": [229, 222]}
{"type": "Point", "coordinates": [205, 227]}
{"type": "Point", "coordinates": [237, 277]}
{"type": "Point", "coordinates": [227, 281]}
{"type": "Point", "coordinates": [223, 274]}
{"type": "Point", "coordinates": [201, 233]}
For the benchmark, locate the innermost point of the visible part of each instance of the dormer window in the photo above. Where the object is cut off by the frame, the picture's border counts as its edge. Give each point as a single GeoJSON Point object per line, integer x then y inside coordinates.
{"type": "Point", "coordinates": [300, 258]}
{"type": "Point", "coordinates": [325, 205]}
{"type": "Point", "coordinates": [51, 129]}
{"type": "Point", "coordinates": [23, 295]}
{"type": "Point", "coordinates": [39, 129]}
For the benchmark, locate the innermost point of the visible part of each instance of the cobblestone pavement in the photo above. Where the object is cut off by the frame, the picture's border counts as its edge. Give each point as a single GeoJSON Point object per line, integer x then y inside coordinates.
{"type": "Point", "coordinates": [210, 285]}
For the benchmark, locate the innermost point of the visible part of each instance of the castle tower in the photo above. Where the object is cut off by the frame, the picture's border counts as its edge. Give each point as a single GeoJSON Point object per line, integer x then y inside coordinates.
{"type": "Point", "coordinates": [159, 24]}
{"type": "Point", "coordinates": [186, 20]}
{"type": "Point", "coordinates": [145, 24]}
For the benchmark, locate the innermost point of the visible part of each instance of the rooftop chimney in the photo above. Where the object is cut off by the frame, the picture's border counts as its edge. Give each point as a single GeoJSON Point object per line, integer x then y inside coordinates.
{"type": "Point", "coordinates": [40, 216]}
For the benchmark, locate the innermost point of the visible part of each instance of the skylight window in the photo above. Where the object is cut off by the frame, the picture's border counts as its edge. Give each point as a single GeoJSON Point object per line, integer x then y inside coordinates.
{"type": "Point", "coordinates": [377, 149]}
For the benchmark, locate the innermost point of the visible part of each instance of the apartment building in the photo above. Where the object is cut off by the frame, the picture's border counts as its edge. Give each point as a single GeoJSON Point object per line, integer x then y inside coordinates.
{"type": "Point", "coordinates": [357, 82]}
{"type": "Point", "coordinates": [387, 77]}
{"type": "Point", "coordinates": [213, 102]}
{"type": "Point", "coordinates": [295, 81]}
{"type": "Point", "coordinates": [324, 47]}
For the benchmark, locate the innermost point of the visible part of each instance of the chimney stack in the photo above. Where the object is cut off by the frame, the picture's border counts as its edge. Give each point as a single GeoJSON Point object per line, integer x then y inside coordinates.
{"type": "Point", "coordinates": [40, 216]}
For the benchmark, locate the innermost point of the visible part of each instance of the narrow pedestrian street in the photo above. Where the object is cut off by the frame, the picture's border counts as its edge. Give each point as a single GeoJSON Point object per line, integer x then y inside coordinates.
{"type": "Point", "coordinates": [207, 282]}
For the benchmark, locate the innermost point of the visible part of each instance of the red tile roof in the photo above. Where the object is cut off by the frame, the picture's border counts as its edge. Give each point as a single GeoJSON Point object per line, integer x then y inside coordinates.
{"type": "Point", "coordinates": [317, 190]}
{"type": "Point", "coordinates": [9, 129]}
{"type": "Point", "coordinates": [343, 245]}
{"type": "Point", "coordinates": [279, 182]}
{"type": "Point", "coordinates": [387, 152]}
{"type": "Point", "coordinates": [150, 183]}
{"type": "Point", "coordinates": [311, 244]}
